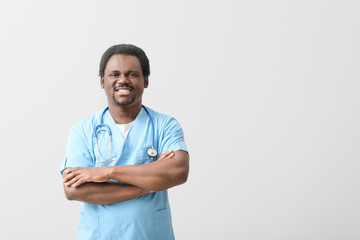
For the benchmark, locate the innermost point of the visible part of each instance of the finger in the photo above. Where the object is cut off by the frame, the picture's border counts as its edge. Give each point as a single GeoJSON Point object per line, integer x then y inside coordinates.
{"type": "Point", "coordinates": [71, 175]}
{"type": "Point", "coordinates": [72, 181]}
{"type": "Point", "coordinates": [78, 182]}
{"type": "Point", "coordinates": [68, 170]}
{"type": "Point", "coordinates": [68, 177]}
{"type": "Point", "coordinates": [161, 155]}
{"type": "Point", "coordinates": [165, 154]}
{"type": "Point", "coordinates": [170, 156]}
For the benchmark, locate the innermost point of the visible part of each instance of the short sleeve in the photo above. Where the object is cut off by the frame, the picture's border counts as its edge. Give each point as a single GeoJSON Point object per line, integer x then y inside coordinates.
{"type": "Point", "coordinates": [77, 152]}
{"type": "Point", "coordinates": [173, 137]}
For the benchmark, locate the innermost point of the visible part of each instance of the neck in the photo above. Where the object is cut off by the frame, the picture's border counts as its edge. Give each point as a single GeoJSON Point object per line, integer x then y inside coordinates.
{"type": "Point", "coordinates": [123, 115]}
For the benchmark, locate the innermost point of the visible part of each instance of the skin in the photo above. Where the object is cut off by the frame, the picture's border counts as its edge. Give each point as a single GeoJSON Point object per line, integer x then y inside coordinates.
{"type": "Point", "coordinates": [124, 84]}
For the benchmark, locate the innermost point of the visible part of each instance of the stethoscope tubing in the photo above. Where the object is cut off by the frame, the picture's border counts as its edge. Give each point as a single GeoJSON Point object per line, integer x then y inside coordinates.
{"type": "Point", "coordinates": [152, 125]}
{"type": "Point", "coordinates": [151, 151]}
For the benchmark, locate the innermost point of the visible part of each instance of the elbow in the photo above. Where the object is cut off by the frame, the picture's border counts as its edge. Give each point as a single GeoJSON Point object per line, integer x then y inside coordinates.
{"type": "Point", "coordinates": [183, 176]}
{"type": "Point", "coordinates": [68, 196]}
{"type": "Point", "coordinates": [171, 179]}
{"type": "Point", "coordinates": [183, 169]}
{"type": "Point", "coordinates": [69, 193]}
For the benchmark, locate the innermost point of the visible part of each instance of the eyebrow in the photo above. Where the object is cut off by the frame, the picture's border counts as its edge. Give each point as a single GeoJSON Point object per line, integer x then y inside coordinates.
{"type": "Point", "coordinates": [130, 71]}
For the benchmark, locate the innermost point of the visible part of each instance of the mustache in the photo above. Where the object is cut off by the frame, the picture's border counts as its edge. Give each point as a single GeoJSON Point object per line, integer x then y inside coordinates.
{"type": "Point", "coordinates": [125, 85]}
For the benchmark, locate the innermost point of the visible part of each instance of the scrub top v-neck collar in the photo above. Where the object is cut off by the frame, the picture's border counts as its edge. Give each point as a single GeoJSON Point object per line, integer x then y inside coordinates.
{"type": "Point", "coordinates": [138, 125]}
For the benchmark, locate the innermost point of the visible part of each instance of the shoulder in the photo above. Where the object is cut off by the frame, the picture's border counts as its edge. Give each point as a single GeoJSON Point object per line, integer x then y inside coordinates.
{"type": "Point", "coordinates": [163, 122]}
{"type": "Point", "coordinates": [170, 133]}
{"type": "Point", "coordinates": [160, 117]}
{"type": "Point", "coordinates": [86, 125]}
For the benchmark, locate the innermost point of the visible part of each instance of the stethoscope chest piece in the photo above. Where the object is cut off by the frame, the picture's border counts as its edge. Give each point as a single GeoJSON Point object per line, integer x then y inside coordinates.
{"type": "Point", "coordinates": [151, 152]}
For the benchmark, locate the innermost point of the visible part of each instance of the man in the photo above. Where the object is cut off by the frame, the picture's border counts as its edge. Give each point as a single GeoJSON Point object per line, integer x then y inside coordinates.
{"type": "Point", "coordinates": [113, 162]}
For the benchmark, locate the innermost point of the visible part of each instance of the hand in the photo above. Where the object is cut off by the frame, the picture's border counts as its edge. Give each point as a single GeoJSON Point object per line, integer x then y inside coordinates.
{"type": "Point", "coordinates": [166, 155]}
{"type": "Point", "coordinates": [77, 176]}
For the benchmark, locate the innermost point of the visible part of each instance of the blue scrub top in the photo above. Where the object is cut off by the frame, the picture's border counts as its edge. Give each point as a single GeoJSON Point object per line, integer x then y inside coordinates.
{"type": "Point", "coordinates": [146, 217]}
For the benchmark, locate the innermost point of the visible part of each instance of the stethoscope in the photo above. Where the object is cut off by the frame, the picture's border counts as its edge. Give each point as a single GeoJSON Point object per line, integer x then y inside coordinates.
{"type": "Point", "coordinates": [152, 152]}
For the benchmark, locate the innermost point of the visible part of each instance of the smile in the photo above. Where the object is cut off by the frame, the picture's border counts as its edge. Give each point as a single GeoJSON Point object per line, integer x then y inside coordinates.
{"type": "Point", "coordinates": [123, 90]}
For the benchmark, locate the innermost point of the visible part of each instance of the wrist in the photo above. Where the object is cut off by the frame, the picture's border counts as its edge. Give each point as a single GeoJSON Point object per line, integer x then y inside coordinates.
{"type": "Point", "coordinates": [109, 171]}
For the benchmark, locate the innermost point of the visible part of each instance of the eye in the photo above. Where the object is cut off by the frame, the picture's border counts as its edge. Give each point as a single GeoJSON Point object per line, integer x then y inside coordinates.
{"type": "Point", "coordinates": [133, 74]}
{"type": "Point", "coordinates": [114, 75]}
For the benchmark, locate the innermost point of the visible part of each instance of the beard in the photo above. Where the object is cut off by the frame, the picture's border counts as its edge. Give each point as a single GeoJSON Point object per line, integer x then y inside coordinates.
{"type": "Point", "coordinates": [123, 101]}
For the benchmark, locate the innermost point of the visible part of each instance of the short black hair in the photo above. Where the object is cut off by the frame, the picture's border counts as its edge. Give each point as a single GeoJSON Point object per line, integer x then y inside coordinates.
{"type": "Point", "coordinates": [126, 49]}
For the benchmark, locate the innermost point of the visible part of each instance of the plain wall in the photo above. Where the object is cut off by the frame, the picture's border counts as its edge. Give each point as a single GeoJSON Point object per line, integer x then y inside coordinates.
{"type": "Point", "coordinates": [267, 93]}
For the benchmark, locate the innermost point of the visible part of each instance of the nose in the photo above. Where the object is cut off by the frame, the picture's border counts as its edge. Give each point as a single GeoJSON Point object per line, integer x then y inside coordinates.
{"type": "Point", "coordinates": [123, 78]}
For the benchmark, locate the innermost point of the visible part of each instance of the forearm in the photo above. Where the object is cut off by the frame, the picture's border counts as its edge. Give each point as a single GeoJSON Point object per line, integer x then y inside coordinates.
{"type": "Point", "coordinates": [155, 176]}
{"type": "Point", "coordinates": [103, 193]}
{"type": "Point", "coordinates": [169, 170]}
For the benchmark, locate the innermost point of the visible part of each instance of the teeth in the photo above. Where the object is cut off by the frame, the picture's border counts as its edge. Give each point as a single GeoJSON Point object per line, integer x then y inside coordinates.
{"type": "Point", "coordinates": [123, 90]}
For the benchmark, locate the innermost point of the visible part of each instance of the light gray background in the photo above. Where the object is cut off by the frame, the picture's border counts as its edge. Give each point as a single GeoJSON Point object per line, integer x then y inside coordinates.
{"type": "Point", "coordinates": [267, 93]}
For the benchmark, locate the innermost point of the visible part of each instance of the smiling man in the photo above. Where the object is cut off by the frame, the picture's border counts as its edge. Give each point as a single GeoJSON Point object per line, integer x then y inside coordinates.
{"type": "Point", "coordinates": [120, 161]}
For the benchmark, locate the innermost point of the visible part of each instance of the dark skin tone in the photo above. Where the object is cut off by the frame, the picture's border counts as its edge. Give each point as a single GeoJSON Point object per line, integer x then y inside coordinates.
{"type": "Point", "coordinates": [124, 85]}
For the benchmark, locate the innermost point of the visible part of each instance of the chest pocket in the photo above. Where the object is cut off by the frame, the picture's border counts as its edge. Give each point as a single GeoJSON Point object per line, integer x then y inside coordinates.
{"type": "Point", "coordinates": [139, 157]}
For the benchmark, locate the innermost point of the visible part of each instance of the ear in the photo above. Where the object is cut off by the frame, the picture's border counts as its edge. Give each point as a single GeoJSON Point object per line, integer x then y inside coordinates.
{"type": "Point", "coordinates": [146, 82]}
{"type": "Point", "coordinates": [102, 82]}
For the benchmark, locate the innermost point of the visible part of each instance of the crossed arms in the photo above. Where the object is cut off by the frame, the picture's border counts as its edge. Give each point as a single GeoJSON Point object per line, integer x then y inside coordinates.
{"type": "Point", "coordinates": [90, 184]}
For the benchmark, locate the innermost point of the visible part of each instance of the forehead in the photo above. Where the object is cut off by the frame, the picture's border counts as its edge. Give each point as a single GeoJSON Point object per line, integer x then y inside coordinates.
{"type": "Point", "coordinates": [121, 62]}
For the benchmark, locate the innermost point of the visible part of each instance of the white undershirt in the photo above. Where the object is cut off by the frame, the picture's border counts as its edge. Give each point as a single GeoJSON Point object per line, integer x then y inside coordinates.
{"type": "Point", "coordinates": [125, 128]}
